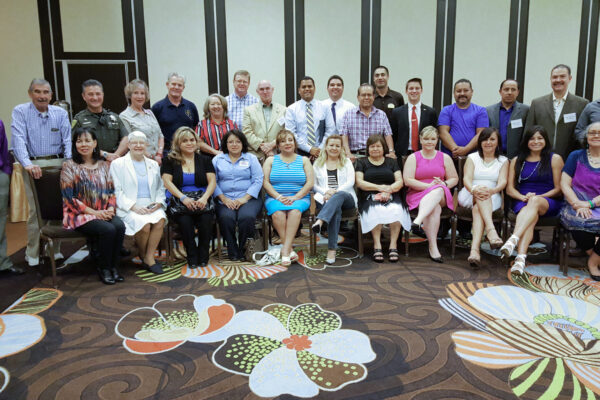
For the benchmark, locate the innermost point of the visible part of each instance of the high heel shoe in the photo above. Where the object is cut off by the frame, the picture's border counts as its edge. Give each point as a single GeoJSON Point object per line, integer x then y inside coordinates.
{"type": "Point", "coordinates": [439, 259]}
{"type": "Point", "coordinates": [495, 243]}
{"type": "Point", "coordinates": [285, 261]}
{"type": "Point", "coordinates": [316, 228]}
{"type": "Point", "coordinates": [474, 260]}
{"type": "Point", "coordinates": [507, 249]}
{"type": "Point", "coordinates": [518, 266]}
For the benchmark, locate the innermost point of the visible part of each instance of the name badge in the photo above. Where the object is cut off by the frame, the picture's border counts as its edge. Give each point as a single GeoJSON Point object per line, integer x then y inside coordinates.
{"type": "Point", "coordinates": [391, 105]}
{"type": "Point", "coordinates": [516, 123]}
{"type": "Point", "coordinates": [244, 164]}
{"type": "Point", "coordinates": [572, 117]}
{"type": "Point", "coordinates": [281, 121]}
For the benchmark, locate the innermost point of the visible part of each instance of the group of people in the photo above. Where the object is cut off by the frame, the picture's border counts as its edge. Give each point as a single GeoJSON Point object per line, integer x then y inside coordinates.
{"type": "Point", "coordinates": [393, 162]}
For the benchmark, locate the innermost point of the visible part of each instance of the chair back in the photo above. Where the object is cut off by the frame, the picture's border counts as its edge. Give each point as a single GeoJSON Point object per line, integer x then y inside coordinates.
{"type": "Point", "coordinates": [461, 171]}
{"type": "Point", "coordinates": [47, 195]}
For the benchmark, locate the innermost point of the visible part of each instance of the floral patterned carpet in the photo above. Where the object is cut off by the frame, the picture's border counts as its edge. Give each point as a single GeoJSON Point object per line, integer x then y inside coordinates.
{"type": "Point", "coordinates": [355, 330]}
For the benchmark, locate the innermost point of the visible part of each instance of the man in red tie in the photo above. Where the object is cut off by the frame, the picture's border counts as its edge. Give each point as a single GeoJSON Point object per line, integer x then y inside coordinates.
{"type": "Point", "coordinates": [408, 120]}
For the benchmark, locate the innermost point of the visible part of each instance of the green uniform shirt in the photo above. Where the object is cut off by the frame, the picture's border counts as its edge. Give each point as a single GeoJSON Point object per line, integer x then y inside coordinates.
{"type": "Point", "coordinates": [107, 126]}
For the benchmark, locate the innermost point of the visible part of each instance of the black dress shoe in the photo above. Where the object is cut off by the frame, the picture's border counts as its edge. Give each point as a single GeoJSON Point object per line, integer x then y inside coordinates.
{"type": "Point", "coordinates": [595, 277]}
{"type": "Point", "coordinates": [202, 265]}
{"type": "Point", "coordinates": [14, 270]}
{"type": "Point", "coordinates": [417, 230]}
{"type": "Point", "coordinates": [106, 276]}
{"type": "Point", "coordinates": [192, 266]}
{"type": "Point", "coordinates": [439, 259]}
{"type": "Point", "coordinates": [116, 276]}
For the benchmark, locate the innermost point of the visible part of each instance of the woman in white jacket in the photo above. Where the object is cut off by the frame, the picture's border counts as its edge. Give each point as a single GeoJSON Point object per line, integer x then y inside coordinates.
{"type": "Point", "coordinates": [334, 188]}
{"type": "Point", "coordinates": [140, 198]}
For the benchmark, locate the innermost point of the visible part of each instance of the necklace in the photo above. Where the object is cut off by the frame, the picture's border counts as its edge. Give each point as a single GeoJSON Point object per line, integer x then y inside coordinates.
{"type": "Point", "coordinates": [287, 164]}
{"type": "Point", "coordinates": [593, 163]}
{"type": "Point", "coordinates": [537, 164]}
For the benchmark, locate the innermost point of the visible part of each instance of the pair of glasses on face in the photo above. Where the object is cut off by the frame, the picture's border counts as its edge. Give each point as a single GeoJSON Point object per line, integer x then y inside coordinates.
{"type": "Point", "coordinates": [594, 133]}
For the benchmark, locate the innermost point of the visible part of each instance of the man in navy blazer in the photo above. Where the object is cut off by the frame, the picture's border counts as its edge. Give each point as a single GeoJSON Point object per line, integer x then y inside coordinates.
{"type": "Point", "coordinates": [412, 114]}
{"type": "Point", "coordinates": [509, 116]}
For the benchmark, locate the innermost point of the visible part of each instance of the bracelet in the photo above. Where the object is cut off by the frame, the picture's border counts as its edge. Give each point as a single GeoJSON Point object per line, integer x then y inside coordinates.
{"type": "Point", "coordinates": [592, 205]}
{"type": "Point", "coordinates": [182, 198]}
{"type": "Point", "coordinates": [278, 197]}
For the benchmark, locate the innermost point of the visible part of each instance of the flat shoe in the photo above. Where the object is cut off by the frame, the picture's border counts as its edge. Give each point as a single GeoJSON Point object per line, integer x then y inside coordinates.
{"type": "Point", "coordinates": [378, 255]}
{"type": "Point", "coordinates": [330, 261]}
{"type": "Point", "coordinates": [393, 255]}
{"type": "Point", "coordinates": [437, 259]}
{"type": "Point", "coordinates": [156, 268]}
{"type": "Point", "coordinates": [285, 261]}
{"type": "Point", "coordinates": [106, 277]}
{"type": "Point", "coordinates": [294, 256]}
{"type": "Point", "coordinates": [316, 228]}
{"type": "Point", "coordinates": [595, 277]}
{"type": "Point", "coordinates": [474, 261]}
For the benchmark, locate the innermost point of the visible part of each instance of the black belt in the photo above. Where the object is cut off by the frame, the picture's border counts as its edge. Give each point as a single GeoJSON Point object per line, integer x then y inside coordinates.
{"type": "Point", "coordinates": [50, 157]}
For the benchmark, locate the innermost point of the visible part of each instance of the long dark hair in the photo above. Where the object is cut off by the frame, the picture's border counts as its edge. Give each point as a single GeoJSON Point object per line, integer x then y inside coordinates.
{"type": "Point", "coordinates": [485, 134]}
{"type": "Point", "coordinates": [546, 156]}
{"type": "Point", "coordinates": [77, 133]}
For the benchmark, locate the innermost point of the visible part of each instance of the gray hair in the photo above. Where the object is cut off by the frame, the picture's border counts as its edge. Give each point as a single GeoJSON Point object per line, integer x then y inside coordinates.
{"type": "Point", "coordinates": [137, 135]}
{"type": "Point", "coordinates": [175, 75]}
{"type": "Point", "coordinates": [38, 81]}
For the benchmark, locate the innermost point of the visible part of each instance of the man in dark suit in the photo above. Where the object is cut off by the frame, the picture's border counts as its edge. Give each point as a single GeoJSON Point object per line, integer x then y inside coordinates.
{"type": "Point", "coordinates": [509, 116]}
{"type": "Point", "coordinates": [558, 111]}
{"type": "Point", "coordinates": [408, 120]}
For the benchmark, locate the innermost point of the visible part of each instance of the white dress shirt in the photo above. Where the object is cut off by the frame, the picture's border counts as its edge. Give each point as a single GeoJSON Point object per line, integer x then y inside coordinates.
{"type": "Point", "coordinates": [341, 106]}
{"type": "Point", "coordinates": [295, 122]}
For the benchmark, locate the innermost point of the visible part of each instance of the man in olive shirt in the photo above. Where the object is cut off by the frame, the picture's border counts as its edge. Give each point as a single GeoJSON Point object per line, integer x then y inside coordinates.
{"type": "Point", "coordinates": [386, 99]}
{"type": "Point", "coordinates": [110, 131]}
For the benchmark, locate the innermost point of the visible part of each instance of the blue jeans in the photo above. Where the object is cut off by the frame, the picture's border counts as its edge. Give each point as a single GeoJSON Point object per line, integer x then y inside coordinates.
{"type": "Point", "coordinates": [331, 212]}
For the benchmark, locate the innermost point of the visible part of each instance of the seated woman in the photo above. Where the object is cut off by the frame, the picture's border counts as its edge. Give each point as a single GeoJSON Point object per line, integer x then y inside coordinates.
{"type": "Point", "coordinates": [429, 176]}
{"type": "Point", "coordinates": [89, 203]}
{"type": "Point", "coordinates": [533, 181]}
{"type": "Point", "coordinates": [140, 198]}
{"type": "Point", "coordinates": [334, 187]}
{"type": "Point", "coordinates": [580, 183]}
{"type": "Point", "coordinates": [186, 171]}
{"type": "Point", "coordinates": [137, 118]}
{"type": "Point", "coordinates": [214, 125]}
{"type": "Point", "coordinates": [379, 179]}
{"type": "Point", "coordinates": [288, 181]}
{"type": "Point", "coordinates": [485, 175]}
{"type": "Point", "coordinates": [239, 180]}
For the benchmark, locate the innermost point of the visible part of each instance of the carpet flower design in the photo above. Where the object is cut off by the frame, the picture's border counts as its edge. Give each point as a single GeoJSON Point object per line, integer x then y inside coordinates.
{"type": "Point", "coordinates": [343, 258]}
{"type": "Point", "coordinates": [169, 323]}
{"type": "Point", "coordinates": [227, 275]}
{"type": "Point", "coordinates": [293, 350]}
{"type": "Point", "coordinates": [543, 336]}
{"type": "Point", "coordinates": [21, 328]}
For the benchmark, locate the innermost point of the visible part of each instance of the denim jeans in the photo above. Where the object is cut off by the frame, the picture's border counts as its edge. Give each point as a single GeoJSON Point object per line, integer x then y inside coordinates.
{"type": "Point", "coordinates": [331, 212]}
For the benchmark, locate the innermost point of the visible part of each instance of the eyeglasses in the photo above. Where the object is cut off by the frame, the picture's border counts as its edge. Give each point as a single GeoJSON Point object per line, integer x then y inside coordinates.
{"type": "Point", "coordinates": [593, 133]}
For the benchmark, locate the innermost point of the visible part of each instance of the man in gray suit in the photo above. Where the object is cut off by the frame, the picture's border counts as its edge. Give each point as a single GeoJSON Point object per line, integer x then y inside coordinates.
{"type": "Point", "coordinates": [558, 111]}
{"type": "Point", "coordinates": [508, 116]}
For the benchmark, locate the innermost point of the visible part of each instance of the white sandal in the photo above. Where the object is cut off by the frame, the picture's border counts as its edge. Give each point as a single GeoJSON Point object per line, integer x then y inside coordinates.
{"type": "Point", "coordinates": [508, 247]}
{"type": "Point", "coordinates": [294, 256]}
{"type": "Point", "coordinates": [518, 266]}
{"type": "Point", "coordinates": [285, 261]}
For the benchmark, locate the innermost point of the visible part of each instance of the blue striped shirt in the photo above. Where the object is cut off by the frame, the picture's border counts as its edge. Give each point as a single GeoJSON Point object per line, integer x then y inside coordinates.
{"type": "Point", "coordinates": [36, 135]}
{"type": "Point", "coordinates": [236, 105]}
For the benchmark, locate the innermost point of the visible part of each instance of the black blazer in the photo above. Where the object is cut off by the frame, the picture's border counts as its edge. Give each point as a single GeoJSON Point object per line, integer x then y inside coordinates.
{"type": "Point", "coordinates": [400, 124]}
{"type": "Point", "coordinates": [202, 166]}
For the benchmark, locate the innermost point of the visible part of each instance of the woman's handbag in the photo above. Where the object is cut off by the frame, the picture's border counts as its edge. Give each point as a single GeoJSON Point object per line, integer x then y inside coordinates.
{"type": "Point", "coordinates": [176, 207]}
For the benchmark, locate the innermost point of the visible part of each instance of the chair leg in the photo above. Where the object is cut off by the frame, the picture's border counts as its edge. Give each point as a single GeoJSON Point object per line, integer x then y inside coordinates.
{"type": "Point", "coordinates": [361, 246]}
{"type": "Point", "coordinates": [265, 232]}
{"type": "Point", "coordinates": [52, 262]}
{"type": "Point", "coordinates": [170, 260]}
{"type": "Point", "coordinates": [406, 238]}
{"type": "Point", "coordinates": [313, 237]}
{"type": "Point", "coordinates": [453, 234]}
{"type": "Point", "coordinates": [219, 244]}
{"type": "Point", "coordinates": [566, 255]}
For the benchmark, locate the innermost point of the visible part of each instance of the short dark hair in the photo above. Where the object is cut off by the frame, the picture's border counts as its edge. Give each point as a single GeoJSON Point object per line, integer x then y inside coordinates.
{"type": "Point", "coordinates": [415, 80]}
{"type": "Point", "coordinates": [377, 139]}
{"type": "Point", "coordinates": [238, 134]}
{"type": "Point", "coordinates": [306, 78]}
{"type": "Point", "coordinates": [485, 134]}
{"type": "Point", "coordinates": [565, 66]}
{"type": "Point", "coordinates": [91, 82]}
{"type": "Point", "coordinates": [387, 71]}
{"type": "Point", "coordinates": [509, 80]}
{"type": "Point", "coordinates": [463, 80]}
{"type": "Point", "coordinates": [335, 77]}
{"type": "Point", "coordinates": [362, 85]}
{"type": "Point", "coordinates": [77, 133]}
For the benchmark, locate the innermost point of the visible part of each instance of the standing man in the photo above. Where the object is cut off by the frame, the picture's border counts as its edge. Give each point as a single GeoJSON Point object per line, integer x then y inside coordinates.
{"type": "Point", "coordinates": [110, 131]}
{"type": "Point", "coordinates": [6, 264]}
{"type": "Point", "coordinates": [460, 123]}
{"type": "Point", "coordinates": [336, 105]}
{"type": "Point", "coordinates": [386, 99]}
{"type": "Point", "coordinates": [263, 121]}
{"type": "Point", "coordinates": [558, 111]}
{"type": "Point", "coordinates": [508, 116]}
{"type": "Point", "coordinates": [240, 98]}
{"type": "Point", "coordinates": [408, 120]}
{"type": "Point", "coordinates": [363, 121]}
{"type": "Point", "coordinates": [309, 120]}
{"type": "Point", "coordinates": [174, 111]}
{"type": "Point", "coordinates": [41, 137]}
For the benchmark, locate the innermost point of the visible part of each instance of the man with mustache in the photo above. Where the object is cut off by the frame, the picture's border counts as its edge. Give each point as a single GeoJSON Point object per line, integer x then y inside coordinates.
{"type": "Point", "coordinates": [41, 137]}
{"type": "Point", "coordinates": [461, 122]}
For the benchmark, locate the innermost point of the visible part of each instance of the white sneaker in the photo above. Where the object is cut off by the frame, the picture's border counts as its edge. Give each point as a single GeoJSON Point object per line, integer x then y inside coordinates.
{"type": "Point", "coordinates": [59, 256]}
{"type": "Point", "coordinates": [32, 261]}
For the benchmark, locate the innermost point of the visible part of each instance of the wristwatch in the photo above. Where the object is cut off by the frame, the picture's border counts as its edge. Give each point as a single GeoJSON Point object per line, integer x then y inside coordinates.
{"type": "Point", "coordinates": [104, 154]}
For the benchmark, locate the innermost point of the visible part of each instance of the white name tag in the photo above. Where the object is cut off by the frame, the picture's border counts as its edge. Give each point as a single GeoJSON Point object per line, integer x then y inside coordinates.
{"type": "Point", "coordinates": [244, 164]}
{"type": "Point", "coordinates": [281, 121]}
{"type": "Point", "coordinates": [572, 117]}
{"type": "Point", "coordinates": [516, 123]}
{"type": "Point", "coordinates": [391, 105]}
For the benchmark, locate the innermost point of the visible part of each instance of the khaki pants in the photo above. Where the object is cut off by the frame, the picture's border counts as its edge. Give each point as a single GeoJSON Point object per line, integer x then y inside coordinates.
{"type": "Point", "coordinates": [33, 230]}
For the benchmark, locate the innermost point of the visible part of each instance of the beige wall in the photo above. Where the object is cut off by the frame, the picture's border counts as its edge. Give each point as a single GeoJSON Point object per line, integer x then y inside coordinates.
{"type": "Point", "coordinates": [257, 47]}
{"type": "Point", "coordinates": [482, 60]}
{"type": "Point", "coordinates": [21, 54]}
{"type": "Point", "coordinates": [553, 38]}
{"type": "Point", "coordinates": [175, 42]}
{"type": "Point", "coordinates": [84, 21]}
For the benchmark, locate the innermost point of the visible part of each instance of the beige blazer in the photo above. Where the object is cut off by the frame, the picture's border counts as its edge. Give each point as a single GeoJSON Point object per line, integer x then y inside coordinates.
{"type": "Point", "coordinates": [255, 129]}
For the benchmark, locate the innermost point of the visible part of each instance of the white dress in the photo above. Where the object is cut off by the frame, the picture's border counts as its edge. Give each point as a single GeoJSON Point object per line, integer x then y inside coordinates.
{"type": "Point", "coordinates": [483, 175]}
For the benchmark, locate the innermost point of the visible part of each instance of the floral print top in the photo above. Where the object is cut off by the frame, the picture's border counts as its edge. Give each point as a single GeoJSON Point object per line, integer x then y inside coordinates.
{"type": "Point", "coordinates": [83, 187]}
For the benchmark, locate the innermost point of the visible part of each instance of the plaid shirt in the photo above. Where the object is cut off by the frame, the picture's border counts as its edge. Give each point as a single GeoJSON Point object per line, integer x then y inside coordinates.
{"type": "Point", "coordinates": [236, 105]}
{"type": "Point", "coordinates": [358, 127]}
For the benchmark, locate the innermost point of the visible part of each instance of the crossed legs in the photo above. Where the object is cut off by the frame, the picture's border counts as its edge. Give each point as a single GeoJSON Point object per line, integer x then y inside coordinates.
{"type": "Point", "coordinates": [430, 209]}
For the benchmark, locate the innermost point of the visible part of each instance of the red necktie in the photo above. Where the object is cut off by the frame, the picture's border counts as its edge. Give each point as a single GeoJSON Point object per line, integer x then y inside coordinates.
{"type": "Point", "coordinates": [414, 122]}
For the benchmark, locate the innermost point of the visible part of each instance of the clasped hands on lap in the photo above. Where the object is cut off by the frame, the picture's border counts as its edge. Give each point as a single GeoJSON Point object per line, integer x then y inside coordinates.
{"type": "Point", "coordinates": [104, 215]}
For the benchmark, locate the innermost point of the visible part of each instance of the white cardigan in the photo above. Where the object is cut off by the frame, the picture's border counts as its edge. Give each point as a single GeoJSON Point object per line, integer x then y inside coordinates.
{"type": "Point", "coordinates": [346, 178]}
{"type": "Point", "coordinates": [126, 187]}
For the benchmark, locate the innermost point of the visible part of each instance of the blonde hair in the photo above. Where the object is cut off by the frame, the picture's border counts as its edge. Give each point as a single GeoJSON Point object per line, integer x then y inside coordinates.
{"type": "Point", "coordinates": [429, 132]}
{"type": "Point", "coordinates": [206, 108]}
{"type": "Point", "coordinates": [134, 84]}
{"type": "Point", "coordinates": [178, 136]}
{"type": "Point", "coordinates": [323, 155]}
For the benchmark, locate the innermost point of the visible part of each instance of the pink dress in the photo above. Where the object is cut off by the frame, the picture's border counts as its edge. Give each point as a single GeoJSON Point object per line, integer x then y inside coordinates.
{"type": "Point", "coordinates": [425, 171]}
